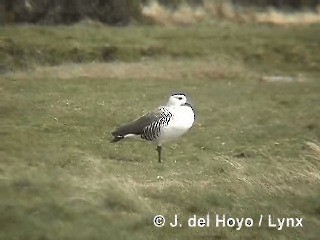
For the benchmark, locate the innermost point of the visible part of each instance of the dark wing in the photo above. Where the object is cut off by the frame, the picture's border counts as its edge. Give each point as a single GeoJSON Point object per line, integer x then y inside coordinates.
{"type": "Point", "coordinates": [136, 127]}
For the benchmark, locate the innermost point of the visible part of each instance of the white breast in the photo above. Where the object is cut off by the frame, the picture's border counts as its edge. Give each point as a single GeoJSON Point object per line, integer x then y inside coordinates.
{"type": "Point", "coordinates": [182, 119]}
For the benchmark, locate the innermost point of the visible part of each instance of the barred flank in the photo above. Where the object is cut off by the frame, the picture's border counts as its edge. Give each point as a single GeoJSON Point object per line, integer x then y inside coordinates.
{"type": "Point", "coordinates": [152, 131]}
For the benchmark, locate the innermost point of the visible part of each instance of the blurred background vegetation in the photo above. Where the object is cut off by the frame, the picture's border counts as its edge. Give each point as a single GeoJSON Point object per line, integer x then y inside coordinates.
{"type": "Point", "coordinates": [117, 12]}
{"type": "Point", "coordinates": [52, 46]}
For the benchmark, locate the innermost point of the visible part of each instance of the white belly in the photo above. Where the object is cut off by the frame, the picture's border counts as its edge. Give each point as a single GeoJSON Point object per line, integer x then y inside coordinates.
{"type": "Point", "coordinates": [182, 120]}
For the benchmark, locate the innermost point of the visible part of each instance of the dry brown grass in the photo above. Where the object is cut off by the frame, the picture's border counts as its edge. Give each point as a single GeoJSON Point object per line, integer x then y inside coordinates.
{"type": "Point", "coordinates": [185, 15]}
{"type": "Point", "coordinates": [280, 18]}
{"type": "Point", "coordinates": [314, 150]}
{"type": "Point", "coordinates": [166, 70]}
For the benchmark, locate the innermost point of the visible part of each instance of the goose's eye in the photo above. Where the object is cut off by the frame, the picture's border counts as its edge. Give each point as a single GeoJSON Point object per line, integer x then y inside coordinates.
{"type": "Point", "coordinates": [180, 98]}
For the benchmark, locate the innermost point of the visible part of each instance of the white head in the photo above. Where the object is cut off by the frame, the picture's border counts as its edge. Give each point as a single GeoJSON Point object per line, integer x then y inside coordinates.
{"type": "Point", "coordinates": [177, 99]}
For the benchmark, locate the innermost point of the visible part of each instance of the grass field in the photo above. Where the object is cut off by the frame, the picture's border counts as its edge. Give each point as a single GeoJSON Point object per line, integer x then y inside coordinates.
{"type": "Point", "coordinates": [252, 151]}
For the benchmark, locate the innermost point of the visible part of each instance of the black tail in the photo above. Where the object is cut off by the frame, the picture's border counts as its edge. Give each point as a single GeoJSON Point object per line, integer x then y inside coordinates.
{"type": "Point", "coordinates": [135, 128]}
{"type": "Point", "coordinates": [116, 137]}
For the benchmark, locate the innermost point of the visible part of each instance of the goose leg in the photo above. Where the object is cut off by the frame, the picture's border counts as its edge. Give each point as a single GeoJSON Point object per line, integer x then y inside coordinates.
{"type": "Point", "coordinates": [159, 148]}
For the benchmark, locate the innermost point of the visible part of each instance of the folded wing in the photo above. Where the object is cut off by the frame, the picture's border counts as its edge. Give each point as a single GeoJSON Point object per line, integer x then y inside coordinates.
{"type": "Point", "coordinates": [138, 126]}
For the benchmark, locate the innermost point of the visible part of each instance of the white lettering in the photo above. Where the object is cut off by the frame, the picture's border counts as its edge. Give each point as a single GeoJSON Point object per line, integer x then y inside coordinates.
{"type": "Point", "coordinates": [248, 222]}
{"type": "Point", "coordinates": [281, 223]}
{"type": "Point", "coordinates": [299, 222]}
{"type": "Point", "coordinates": [192, 221]}
{"type": "Point", "coordinates": [231, 222]}
{"type": "Point", "coordinates": [270, 223]}
{"type": "Point", "coordinates": [222, 221]}
{"type": "Point", "coordinates": [239, 223]}
{"type": "Point", "coordinates": [199, 222]}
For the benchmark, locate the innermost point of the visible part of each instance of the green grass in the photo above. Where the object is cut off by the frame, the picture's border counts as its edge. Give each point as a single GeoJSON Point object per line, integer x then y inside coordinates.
{"type": "Point", "coordinates": [61, 178]}
{"type": "Point", "coordinates": [290, 49]}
